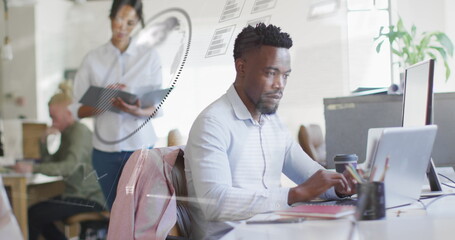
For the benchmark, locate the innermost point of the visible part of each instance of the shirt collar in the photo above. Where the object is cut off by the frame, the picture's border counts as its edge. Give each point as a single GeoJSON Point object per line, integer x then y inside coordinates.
{"type": "Point", "coordinates": [131, 50]}
{"type": "Point", "coordinates": [240, 110]}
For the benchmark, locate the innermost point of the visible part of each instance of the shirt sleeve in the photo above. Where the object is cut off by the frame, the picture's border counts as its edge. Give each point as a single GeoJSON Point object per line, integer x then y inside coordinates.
{"type": "Point", "coordinates": [67, 157]}
{"type": "Point", "coordinates": [81, 84]}
{"type": "Point", "coordinates": [156, 68]}
{"type": "Point", "coordinates": [157, 78]}
{"type": "Point", "coordinates": [298, 166]}
{"type": "Point", "coordinates": [207, 158]}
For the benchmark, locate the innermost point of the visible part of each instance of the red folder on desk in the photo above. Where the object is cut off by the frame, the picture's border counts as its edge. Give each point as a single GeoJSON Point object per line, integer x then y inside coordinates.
{"type": "Point", "coordinates": [318, 211]}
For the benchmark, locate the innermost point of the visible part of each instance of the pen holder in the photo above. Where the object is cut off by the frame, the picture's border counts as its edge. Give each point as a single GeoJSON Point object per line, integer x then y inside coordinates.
{"type": "Point", "coordinates": [371, 201]}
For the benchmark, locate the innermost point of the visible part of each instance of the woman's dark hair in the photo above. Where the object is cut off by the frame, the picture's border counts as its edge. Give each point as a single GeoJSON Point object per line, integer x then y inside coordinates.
{"type": "Point", "coordinates": [254, 37]}
{"type": "Point", "coordinates": [136, 4]}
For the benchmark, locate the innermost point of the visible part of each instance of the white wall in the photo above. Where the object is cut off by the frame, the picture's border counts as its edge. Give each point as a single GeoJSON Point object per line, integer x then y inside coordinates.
{"type": "Point", "coordinates": [318, 57]}
{"type": "Point", "coordinates": [19, 75]}
{"type": "Point", "coordinates": [50, 54]}
{"type": "Point", "coordinates": [66, 31]}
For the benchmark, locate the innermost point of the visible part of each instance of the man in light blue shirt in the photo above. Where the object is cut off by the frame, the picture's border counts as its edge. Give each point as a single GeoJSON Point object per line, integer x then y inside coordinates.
{"type": "Point", "coordinates": [238, 147]}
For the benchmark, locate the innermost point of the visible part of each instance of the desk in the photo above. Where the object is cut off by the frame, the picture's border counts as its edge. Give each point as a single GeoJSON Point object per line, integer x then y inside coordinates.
{"type": "Point", "coordinates": [412, 223]}
{"type": "Point", "coordinates": [25, 190]}
{"type": "Point", "coordinates": [409, 222]}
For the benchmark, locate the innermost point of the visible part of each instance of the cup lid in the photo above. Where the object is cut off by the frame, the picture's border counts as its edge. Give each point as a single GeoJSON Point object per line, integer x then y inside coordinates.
{"type": "Point", "coordinates": [346, 157]}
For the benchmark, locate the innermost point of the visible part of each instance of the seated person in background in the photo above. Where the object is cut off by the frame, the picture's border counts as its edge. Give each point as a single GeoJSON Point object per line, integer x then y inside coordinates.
{"type": "Point", "coordinates": [238, 147]}
{"type": "Point", "coordinates": [72, 161]}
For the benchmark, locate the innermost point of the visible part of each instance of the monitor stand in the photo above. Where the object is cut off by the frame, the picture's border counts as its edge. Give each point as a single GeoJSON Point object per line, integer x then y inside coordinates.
{"type": "Point", "coordinates": [432, 176]}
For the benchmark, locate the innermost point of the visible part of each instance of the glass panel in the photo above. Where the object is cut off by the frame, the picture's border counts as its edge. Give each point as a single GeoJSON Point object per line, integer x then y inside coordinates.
{"type": "Point", "coordinates": [366, 67]}
{"type": "Point", "coordinates": [360, 4]}
{"type": "Point", "coordinates": [382, 4]}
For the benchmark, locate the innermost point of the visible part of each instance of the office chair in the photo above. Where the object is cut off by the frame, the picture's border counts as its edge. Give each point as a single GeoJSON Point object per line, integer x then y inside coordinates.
{"type": "Point", "coordinates": [144, 207]}
{"type": "Point", "coordinates": [175, 138]}
{"type": "Point", "coordinates": [183, 224]}
{"type": "Point", "coordinates": [312, 142]}
{"type": "Point", "coordinates": [72, 224]}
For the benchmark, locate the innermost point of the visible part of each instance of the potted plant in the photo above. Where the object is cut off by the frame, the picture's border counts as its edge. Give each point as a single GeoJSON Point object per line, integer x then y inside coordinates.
{"type": "Point", "coordinates": [412, 47]}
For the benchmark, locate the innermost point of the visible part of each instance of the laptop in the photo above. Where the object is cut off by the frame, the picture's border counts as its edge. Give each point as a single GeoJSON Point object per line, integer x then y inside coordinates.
{"type": "Point", "coordinates": [409, 150]}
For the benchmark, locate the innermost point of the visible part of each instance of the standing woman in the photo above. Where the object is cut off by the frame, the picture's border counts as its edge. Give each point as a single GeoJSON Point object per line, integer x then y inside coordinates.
{"type": "Point", "coordinates": [119, 64]}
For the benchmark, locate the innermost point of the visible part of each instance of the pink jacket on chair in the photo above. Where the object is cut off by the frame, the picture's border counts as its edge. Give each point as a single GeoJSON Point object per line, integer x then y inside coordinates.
{"type": "Point", "coordinates": [145, 205]}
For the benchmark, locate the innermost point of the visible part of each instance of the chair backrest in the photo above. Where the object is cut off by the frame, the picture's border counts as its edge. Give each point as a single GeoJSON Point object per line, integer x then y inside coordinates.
{"type": "Point", "coordinates": [312, 142]}
{"type": "Point", "coordinates": [174, 138]}
{"type": "Point", "coordinates": [181, 193]}
{"type": "Point", "coordinates": [144, 205]}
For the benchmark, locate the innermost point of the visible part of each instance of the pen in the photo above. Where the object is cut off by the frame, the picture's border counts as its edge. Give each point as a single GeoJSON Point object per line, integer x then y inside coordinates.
{"type": "Point", "coordinates": [353, 173]}
{"type": "Point", "coordinates": [372, 174]}
{"type": "Point", "coordinates": [386, 167]}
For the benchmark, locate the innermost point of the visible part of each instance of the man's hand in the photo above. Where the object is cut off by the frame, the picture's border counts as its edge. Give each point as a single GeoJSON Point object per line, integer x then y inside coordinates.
{"type": "Point", "coordinates": [23, 167]}
{"type": "Point", "coordinates": [316, 185]}
{"type": "Point", "coordinates": [351, 183]}
{"type": "Point", "coordinates": [49, 131]}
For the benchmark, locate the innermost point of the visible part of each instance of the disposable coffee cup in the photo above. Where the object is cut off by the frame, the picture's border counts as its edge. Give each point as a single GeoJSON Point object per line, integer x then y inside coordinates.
{"type": "Point", "coordinates": [371, 201]}
{"type": "Point", "coordinates": [342, 160]}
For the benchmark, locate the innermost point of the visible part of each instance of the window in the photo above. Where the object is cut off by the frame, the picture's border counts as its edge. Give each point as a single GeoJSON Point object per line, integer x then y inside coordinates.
{"type": "Point", "coordinates": [366, 67]}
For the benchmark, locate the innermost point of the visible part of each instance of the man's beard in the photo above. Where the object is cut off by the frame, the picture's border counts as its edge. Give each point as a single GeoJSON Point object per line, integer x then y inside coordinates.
{"type": "Point", "coordinates": [262, 106]}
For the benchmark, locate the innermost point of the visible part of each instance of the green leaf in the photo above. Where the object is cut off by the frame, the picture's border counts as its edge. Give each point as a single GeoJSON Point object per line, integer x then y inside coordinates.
{"type": "Point", "coordinates": [393, 35]}
{"type": "Point", "coordinates": [413, 30]}
{"type": "Point", "coordinates": [380, 34]}
{"type": "Point", "coordinates": [425, 41]}
{"type": "Point", "coordinates": [441, 51]}
{"type": "Point", "coordinates": [446, 65]}
{"type": "Point", "coordinates": [378, 47]}
{"type": "Point", "coordinates": [445, 42]}
{"type": "Point", "coordinates": [396, 52]}
{"type": "Point", "coordinates": [431, 55]}
{"type": "Point", "coordinates": [400, 25]}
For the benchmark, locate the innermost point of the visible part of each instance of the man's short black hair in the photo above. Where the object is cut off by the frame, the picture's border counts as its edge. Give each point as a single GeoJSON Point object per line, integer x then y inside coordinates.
{"type": "Point", "coordinates": [254, 37]}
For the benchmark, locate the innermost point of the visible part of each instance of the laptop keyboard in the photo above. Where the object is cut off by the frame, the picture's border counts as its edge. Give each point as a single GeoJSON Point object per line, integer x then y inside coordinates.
{"type": "Point", "coordinates": [341, 202]}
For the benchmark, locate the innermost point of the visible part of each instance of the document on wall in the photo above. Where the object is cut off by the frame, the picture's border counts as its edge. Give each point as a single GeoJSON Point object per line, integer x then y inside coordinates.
{"type": "Point", "coordinates": [100, 97]}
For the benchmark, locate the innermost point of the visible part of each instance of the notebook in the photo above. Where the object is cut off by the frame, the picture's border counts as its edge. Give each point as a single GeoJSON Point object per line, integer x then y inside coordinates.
{"type": "Point", "coordinates": [100, 97]}
{"type": "Point", "coordinates": [318, 211]}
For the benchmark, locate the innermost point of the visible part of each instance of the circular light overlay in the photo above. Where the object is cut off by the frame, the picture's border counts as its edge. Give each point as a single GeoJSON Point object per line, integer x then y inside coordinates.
{"type": "Point", "coordinates": [169, 34]}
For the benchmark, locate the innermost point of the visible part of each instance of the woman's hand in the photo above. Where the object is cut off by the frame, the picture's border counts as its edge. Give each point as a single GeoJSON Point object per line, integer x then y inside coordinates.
{"type": "Point", "coordinates": [116, 86]}
{"type": "Point", "coordinates": [133, 109]}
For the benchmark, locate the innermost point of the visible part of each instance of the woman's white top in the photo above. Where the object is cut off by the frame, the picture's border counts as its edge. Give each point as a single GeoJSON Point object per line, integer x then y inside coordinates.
{"type": "Point", "coordinates": [138, 67]}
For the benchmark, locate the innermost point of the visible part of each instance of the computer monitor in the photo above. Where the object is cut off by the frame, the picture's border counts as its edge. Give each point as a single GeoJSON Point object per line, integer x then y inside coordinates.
{"type": "Point", "coordinates": [418, 95]}
{"type": "Point", "coordinates": [418, 105]}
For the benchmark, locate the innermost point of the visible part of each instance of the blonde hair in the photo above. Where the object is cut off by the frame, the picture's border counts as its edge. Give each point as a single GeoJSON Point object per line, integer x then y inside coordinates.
{"type": "Point", "coordinates": [64, 96]}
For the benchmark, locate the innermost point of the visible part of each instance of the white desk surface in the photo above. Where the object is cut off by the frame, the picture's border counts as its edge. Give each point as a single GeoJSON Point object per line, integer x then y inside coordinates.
{"type": "Point", "coordinates": [414, 222]}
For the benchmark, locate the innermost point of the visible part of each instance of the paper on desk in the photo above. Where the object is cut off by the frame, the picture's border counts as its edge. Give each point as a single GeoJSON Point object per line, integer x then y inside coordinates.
{"type": "Point", "coordinates": [39, 178]}
{"type": "Point", "coordinates": [12, 141]}
{"type": "Point", "coordinates": [265, 216]}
